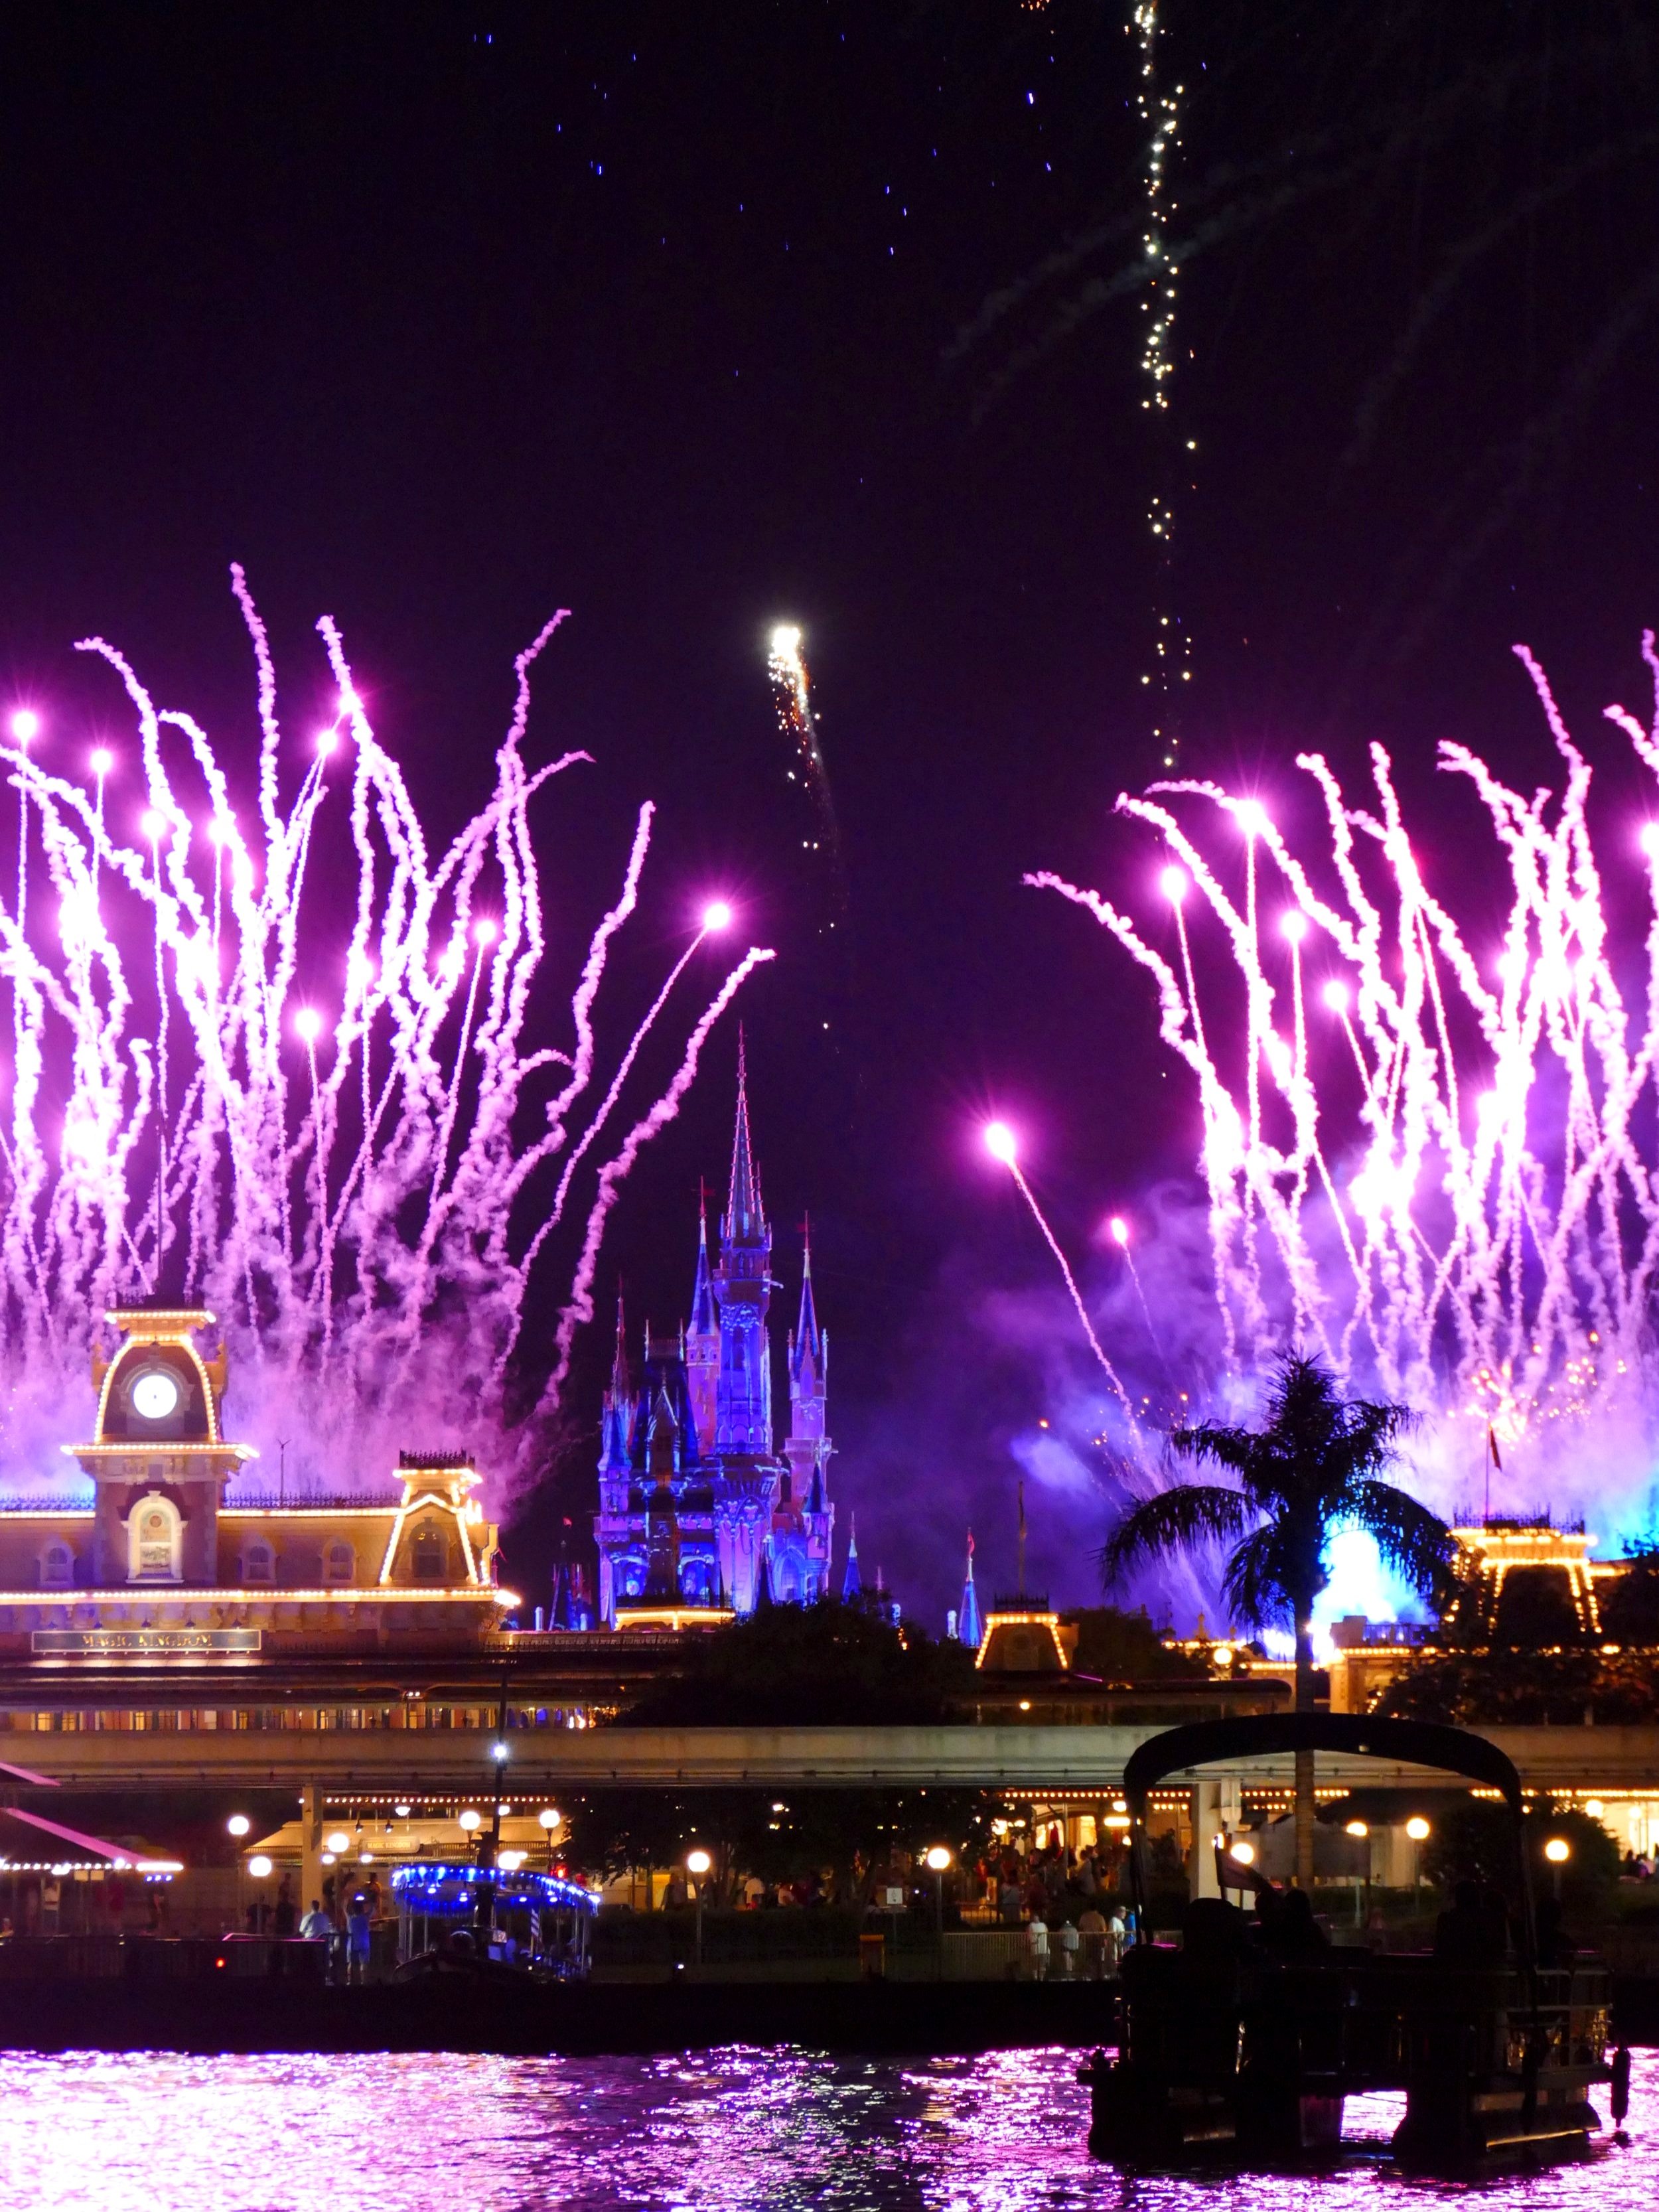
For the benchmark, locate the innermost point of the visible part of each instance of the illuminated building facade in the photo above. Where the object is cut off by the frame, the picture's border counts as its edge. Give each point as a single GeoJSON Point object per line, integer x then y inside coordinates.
{"type": "Point", "coordinates": [703, 1513]}
{"type": "Point", "coordinates": [162, 1561]}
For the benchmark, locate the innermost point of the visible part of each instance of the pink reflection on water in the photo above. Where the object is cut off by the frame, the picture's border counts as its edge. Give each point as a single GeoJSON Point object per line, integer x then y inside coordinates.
{"type": "Point", "coordinates": [734, 2131]}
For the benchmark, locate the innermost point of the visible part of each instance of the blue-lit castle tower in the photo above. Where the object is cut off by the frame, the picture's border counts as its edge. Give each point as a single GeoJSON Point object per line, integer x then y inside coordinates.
{"type": "Point", "coordinates": [699, 1508]}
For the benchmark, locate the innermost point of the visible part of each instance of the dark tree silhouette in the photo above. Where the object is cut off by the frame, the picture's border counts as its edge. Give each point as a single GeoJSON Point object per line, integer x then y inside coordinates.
{"type": "Point", "coordinates": [1316, 1466]}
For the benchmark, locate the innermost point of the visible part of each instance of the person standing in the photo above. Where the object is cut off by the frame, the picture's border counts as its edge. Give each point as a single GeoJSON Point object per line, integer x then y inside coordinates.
{"type": "Point", "coordinates": [1066, 1942]}
{"type": "Point", "coordinates": [1037, 1949]}
{"type": "Point", "coordinates": [357, 1935]}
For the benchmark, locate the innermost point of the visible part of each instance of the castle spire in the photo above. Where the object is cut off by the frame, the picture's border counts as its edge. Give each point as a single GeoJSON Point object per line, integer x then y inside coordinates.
{"type": "Point", "coordinates": [968, 1628]}
{"type": "Point", "coordinates": [704, 1320]}
{"type": "Point", "coordinates": [743, 1215]}
{"type": "Point", "coordinates": [619, 1364]}
{"type": "Point", "coordinates": [807, 1342]}
{"type": "Point", "coordinates": [852, 1587]}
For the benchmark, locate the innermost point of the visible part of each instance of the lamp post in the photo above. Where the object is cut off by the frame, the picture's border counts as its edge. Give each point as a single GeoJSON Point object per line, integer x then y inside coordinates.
{"type": "Point", "coordinates": [1418, 1829]}
{"type": "Point", "coordinates": [547, 1819]}
{"type": "Point", "coordinates": [1558, 1852]}
{"type": "Point", "coordinates": [236, 1827]}
{"type": "Point", "coordinates": [697, 1863]}
{"type": "Point", "coordinates": [1360, 1831]}
{"type": "Point", "coordinates": [936, 1861]}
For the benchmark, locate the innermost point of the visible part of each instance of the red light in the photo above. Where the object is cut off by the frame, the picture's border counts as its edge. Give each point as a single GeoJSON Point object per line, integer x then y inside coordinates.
{"type": "Point", "coordinates": [218, 1962]}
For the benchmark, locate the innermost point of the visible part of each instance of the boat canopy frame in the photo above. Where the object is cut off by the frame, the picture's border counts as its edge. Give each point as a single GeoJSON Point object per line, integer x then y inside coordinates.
{"type": "Point", "coordinates": [1259, 1735]}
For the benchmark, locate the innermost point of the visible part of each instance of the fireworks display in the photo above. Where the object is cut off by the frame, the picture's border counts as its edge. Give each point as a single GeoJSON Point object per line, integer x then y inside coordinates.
{"type": "Point", "coordinates": [792, 696]}
{"type": "Point", "coordinates": [1428, 1147]}
{"type": "Point", "coordinates": [297, 1092]}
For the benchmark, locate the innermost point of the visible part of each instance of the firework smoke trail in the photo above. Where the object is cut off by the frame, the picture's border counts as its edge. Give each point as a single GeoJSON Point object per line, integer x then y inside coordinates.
{"type": "Point", "coordinates": [1120, 1231]}
{"type": "Point", "coordinates": [191, 1052]}
{"type": "Point", "coordinates": [1001, 1143]}
{"type": "Point", "coordinates": [1479, 1234]}
{"type": "Point", "coordinates": [580, 1308]}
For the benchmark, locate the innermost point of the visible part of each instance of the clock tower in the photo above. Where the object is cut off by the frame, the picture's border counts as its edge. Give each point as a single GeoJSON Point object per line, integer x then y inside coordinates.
{"type": "Point", "coordinates": [158, 1461]}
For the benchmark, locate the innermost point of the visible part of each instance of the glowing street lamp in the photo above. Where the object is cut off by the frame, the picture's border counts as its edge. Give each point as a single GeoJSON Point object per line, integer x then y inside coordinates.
{"type": "Point", "coordinates": [237, 1824]}
{"type": "Point", "coordinates": [337, 1841]}
{"type": "Point", "coordinates": [259, 1867]}
{"type": "Point", "coordinates": [697, 1865]}
{"type": "Point", "coordinates": [1558, 1852]}
{"type": "Point", "coordinates": [936, 1860]}
{"type": "Point", "coordinates": [471, 1822]}
{"type": "Point", "coordinates": [1418, 1829]}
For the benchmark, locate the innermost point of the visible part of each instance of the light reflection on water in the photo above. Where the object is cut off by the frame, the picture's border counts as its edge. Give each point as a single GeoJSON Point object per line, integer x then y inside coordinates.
{"type": "Point", "coordinates": [737, 2130]}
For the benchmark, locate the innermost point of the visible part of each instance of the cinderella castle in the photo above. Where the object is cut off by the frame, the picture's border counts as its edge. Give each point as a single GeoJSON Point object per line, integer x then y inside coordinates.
{"type": "Point", "coordinates": [701, 1510]}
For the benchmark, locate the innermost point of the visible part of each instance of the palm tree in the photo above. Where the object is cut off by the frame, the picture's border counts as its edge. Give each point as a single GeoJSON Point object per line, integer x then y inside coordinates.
{"type": "Point", "coordinates": [1315, 1467]}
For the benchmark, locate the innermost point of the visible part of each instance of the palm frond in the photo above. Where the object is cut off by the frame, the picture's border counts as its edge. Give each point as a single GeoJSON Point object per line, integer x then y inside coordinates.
{"type": "Point", "coordinates": [1416, 1543]}
{"type": "Point", "coordinates": [1177, 1520]}
{"type": "Point", "coordinates": [1253, 1586]}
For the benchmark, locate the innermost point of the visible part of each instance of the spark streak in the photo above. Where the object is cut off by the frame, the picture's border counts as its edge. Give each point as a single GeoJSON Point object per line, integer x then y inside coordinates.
{"type": "Point", "coordinates": [1441, 1186]}
{"type": "Point", "coordinates": [356, 1193]}
{"type": "Point", "coordinates": [1001, 1143]}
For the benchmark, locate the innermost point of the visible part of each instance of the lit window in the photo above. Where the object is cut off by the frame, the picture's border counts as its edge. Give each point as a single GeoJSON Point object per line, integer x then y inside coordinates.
{"type": "Point", "coordinates": [427, 1554]}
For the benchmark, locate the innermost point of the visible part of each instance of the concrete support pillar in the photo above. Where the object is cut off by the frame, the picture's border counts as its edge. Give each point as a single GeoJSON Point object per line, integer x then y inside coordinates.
{"type": "Point", "coordinates": [311, 1846]}
{"type": "Point", "coordinates": [1207, 1826]}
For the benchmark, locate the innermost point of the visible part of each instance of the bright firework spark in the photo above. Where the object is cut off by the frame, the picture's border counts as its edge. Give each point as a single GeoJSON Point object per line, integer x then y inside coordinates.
{"type": "Point", "coordinates": [348, 1177]}
{"type": "Point", "coordinates": [1004, 1147]}
{"type": "Point", "coordinates": [792, 696]}
{"type": "Point", "coordinates": [1160, 118]}
{"type": "Point", "coordinates": [1441, 1188]}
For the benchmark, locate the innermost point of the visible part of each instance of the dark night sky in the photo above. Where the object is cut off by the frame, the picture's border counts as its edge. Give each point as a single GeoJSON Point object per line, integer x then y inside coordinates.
{"type": "Point", "coordinates": [439, 317]}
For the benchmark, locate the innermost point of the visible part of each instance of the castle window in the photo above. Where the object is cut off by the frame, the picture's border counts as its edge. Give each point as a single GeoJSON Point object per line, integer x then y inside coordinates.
{"type": "Point", "coordinates": [154, 1534]}
{"type": "Point", "coordinates": [259, 1563]}
{"type": "Point", "coordinates": [57, 1566]}
{"type": "Point", "coordinates": [427, 1554]}
{"type": "Point", "coordinates": [339, 1564]}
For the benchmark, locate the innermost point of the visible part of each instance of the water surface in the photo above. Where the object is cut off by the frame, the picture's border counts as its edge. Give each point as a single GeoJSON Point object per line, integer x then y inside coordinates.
{"type": "Point", "coordinates": [736, 2131]}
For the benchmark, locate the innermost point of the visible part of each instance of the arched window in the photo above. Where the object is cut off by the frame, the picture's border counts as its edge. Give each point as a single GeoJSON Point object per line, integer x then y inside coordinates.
{"type": "Point", "coordinates": [259, 1562]}
{"type": "Point", "coordinates": [339, 1564]}
{"type": "Point", "coordinates": [57, 1566]}
{"type": "Point", "coordinates": [154, 1532]}
{"type": "Point", "coordinates": [429, 1554]}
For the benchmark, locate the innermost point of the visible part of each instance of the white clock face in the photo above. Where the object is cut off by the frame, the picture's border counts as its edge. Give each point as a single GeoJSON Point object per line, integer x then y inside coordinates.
{"type": "Point", "coordinates": [154, 1395]}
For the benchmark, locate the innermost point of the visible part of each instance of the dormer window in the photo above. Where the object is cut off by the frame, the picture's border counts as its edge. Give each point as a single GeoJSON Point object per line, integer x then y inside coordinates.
{"type": "Point", "coordinates": [57, 1566]}
{"type": "Point", "coordinates": [258, 1561]}
{"type": "Point", "coordinates": [427, 1554]}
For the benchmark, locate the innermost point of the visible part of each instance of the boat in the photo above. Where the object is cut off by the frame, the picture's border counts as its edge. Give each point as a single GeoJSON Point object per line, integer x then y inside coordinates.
{"type": "Point", "coordinates": [1228, 2052]}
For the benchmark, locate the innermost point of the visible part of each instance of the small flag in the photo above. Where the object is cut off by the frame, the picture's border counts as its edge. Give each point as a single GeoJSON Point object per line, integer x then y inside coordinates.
{"type": "Point", "coordinates": [970, 1543]}
{"type": "Point", "coordinates": [1491, 1439]}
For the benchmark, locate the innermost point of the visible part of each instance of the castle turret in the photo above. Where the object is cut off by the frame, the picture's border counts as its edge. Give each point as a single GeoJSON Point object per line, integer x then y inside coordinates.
{"type": "Point", "coordinates": [807, 1447]}
{"type": "Point", "coordinates": [703, 1343]}
{"type": "Point", "coordinates": [743, 1292]}
{"type": "Point", "coordinates": [852, 1584]}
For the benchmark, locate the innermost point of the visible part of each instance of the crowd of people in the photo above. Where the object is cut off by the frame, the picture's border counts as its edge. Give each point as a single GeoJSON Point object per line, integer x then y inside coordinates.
{"type": "Point", "coordinates": [342, 1916]}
